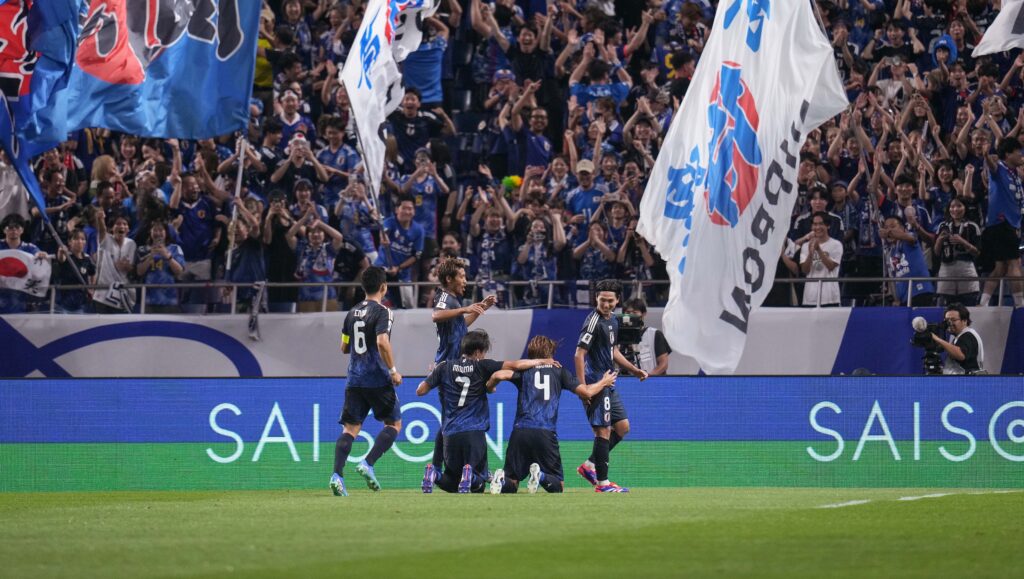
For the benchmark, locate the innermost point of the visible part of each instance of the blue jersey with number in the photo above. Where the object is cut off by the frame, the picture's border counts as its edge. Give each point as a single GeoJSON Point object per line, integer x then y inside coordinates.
{"type": "Point", "coordinates": [463, 384]}
{"type": "Point", "coordinates": [539, 391]}
{"type": "Point", "coordinates": [598, 339]}
{"type": "Point", "coordinates": [449, 332]}
{"type": "Point", "coordinates": [366, 367]}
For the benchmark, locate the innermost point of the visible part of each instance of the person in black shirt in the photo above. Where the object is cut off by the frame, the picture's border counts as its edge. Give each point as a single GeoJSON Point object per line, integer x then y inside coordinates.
{"type": "Point", "coordinates": [73, 301]}
{"type": "Point", "coordinates": [965, 354]}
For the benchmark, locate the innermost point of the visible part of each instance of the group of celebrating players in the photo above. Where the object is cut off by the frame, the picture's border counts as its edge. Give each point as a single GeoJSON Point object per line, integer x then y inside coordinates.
{"type": "Point", "coordinates": [463, 377]}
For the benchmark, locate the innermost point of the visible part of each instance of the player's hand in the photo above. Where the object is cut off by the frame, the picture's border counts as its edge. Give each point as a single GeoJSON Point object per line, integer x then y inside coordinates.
{"type": "Point", "coordinates": [489, 301]}
{"type": "Point", "coordinates": [550, 362]}
{"type": "Point", "coordinates": [396, 378]}
{"type": "Point", "coordinates": [474, 309]}
{"type": "Point", "coordinates": [609, 377]}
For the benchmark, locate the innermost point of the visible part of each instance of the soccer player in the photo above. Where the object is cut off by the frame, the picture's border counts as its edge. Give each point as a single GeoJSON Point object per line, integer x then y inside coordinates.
{"type": "Point", "coordinates": [596, 353]}
{"type": "Point", "coordinates": [463, 383]}
{"type": "Point", "coordinates": [533, 447]}
{"type": "Point", "coordinates": [452, 321]}
{"type": "Point", "coordinates": [372, 378]}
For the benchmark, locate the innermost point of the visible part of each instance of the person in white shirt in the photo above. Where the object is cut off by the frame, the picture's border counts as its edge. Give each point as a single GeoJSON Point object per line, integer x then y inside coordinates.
{"type": "Point", "coordinates": [116, 258]}
{"type": "Point", "coordinates": [819, 258]}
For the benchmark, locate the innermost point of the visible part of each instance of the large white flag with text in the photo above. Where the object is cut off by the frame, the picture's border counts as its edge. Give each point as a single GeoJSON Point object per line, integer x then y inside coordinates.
{"type": "Point", "coordinates": [718, 202]}
{"type": "Point", "coordinates": [390, 30]}
{"type": "Point", "coordinates": [1005, 32]}
{"type": "Point", "coordinates": [23, 272]}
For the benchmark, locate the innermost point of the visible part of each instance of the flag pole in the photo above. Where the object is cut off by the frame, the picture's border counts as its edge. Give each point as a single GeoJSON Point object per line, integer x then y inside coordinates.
{"type": "Point", "coordinates": [374, 194]}
{"type": "Point", "coordinates": [242, 149]}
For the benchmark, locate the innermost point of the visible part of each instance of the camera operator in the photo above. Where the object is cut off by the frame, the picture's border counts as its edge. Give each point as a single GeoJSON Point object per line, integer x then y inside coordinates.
{"type": "Point", "coordinates": [965, 353]}
{"type": "Point", "coordinates": [652, 349]}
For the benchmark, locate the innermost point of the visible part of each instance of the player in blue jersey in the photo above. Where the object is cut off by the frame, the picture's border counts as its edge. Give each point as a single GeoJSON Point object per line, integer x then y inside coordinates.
{"type": "Point", "coordinates": [533, 452]}
{"type": "Point", "coordinates": [463, 384]}
{"type": "Point", "coordinates": [596, 353]}
{"type": "Point", "coordinates": [372, 378]}
{"type": "Point", "coordinates": [452, 321]}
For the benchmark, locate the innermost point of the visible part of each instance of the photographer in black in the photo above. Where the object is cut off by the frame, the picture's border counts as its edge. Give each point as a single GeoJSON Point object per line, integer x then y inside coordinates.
{"type": "Point", "coordinates": [644, 346]}
{"type": "Point", "coordinates": [965, 353]}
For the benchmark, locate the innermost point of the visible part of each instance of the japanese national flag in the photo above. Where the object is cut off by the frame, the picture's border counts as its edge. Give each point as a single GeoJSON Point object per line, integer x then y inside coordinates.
{"type": "Point", "coordinates": [21, 271]}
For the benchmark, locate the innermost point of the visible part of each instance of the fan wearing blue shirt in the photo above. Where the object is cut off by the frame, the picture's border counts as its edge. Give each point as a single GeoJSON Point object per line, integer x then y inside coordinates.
{"type": "Point", "coordinates": [906, 259]}
{"type": "Point", "coordinates": [534, 148]}
{"type": "Point", "coordinates": [585, 199]}
{"type": "Point", "coordinates": [425, 185]}
{"type": "Point", "coordinates": [422, 69]}
{"type": "Point", "coordinates": [600, 84]}
{"type": "Point", "coordinates": [339, 159]}
{"type": "Point", "coordinates": [1001, 238]}
{"type": "Point", "coordinates": [401, 246]}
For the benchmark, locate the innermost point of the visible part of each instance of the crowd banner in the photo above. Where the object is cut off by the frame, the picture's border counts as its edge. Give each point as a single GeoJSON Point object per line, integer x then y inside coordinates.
{"type": "Point", "coordinates": [814, 342]}
{"type": "Point", "coordinates": [279, 433]}
{"type": "Point", "coordinates": [720, 196]}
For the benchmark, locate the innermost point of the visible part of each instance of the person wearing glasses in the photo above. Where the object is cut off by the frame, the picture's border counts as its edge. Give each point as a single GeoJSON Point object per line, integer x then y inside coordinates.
{"type": "Point", "coordinates": [965, 354]}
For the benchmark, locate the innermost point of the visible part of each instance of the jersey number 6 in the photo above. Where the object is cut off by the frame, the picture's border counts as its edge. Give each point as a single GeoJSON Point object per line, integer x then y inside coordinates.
{"type": "Point", "coordinates": [359, 337]}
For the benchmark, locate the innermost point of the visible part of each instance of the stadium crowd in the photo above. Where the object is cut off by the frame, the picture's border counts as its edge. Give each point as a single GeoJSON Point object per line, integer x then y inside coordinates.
{"type": "Point", "coordinates": [522, 145]}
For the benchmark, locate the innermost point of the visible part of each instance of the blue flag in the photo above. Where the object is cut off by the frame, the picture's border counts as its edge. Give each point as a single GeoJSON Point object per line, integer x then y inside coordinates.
{"type": "Point", "coordinates": [165, 68]}
{"type": "Point", "coordinates": [37, 47]}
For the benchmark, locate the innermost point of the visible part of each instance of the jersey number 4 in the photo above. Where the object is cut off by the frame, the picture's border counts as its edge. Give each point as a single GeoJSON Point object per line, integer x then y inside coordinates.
{"type": "Point", "coordinates": [359, 337]}
{"type": "Point", "coordinates": [543, 382]}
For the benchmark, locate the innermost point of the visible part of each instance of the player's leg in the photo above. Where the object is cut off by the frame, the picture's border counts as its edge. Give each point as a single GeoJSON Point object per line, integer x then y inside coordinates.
{"type": "Point", "coordinates": [514, 468]}
{"type": "Point", "coordinates": [388, 410]}
{"type": "Point", "coordinates": [475, 477]}
{"type": "Point", "coordinates": [351, 420]}
{"type": "Point", "coordinates": [620, 421]}
{"type": "Point", "coordinates": [600, 417]}
{"type": "Point", "coordinates": [455, 456]}
{"type": "Point", "coordinates": [549, 460]}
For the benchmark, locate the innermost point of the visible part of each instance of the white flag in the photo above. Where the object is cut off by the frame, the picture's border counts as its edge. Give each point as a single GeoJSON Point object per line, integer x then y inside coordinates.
{"type": "Point", "coordinates": [390, 30]}
{"type": "Point", "coordinates": [1005, 32]}
{"type": "Point", "coordinates": [21, 271]}
{"type": "Point", "coordinates": [719, 199]}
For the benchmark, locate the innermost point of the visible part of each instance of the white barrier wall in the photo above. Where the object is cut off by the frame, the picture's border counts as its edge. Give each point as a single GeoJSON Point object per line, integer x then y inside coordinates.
{"type": "Point", "coordinates": [781, 341]}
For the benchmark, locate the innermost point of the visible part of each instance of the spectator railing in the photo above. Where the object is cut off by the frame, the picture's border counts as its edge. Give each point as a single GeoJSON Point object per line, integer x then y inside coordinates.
{"type": "Point", "coordinates": [229, 291]}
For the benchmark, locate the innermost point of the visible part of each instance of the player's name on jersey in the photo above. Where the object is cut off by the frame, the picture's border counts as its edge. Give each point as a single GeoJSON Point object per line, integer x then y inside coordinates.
{"type": "Point", "coordinates": [463, 369]}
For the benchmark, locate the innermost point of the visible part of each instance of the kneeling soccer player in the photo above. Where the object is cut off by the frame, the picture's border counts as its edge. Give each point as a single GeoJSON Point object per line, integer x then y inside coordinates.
{"type": "Point", "coordinates": [372, 378]}
{"type": "Point", "coordinates": [533, 447]}
{"type": "Point", "coordinates": [463, 384]}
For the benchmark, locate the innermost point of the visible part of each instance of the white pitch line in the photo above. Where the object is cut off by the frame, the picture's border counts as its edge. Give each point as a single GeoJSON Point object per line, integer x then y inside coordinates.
{"type": "Point", "coordinates": [846, 504]}
{"type": "Point", "coordinates": [931, 496]}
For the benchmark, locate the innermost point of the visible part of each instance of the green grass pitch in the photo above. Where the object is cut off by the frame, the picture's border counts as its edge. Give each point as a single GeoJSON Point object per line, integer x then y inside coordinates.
{"type": "Point", "coordinates": [713, 532]}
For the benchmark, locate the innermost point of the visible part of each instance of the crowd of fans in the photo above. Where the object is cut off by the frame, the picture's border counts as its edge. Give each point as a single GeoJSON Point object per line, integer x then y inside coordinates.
{"type": "Point", "coordinates": [523, 144]}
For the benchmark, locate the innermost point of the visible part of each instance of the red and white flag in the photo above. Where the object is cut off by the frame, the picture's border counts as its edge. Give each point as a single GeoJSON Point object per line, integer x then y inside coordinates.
{"type": "Point", "coordinates": [21, 271]}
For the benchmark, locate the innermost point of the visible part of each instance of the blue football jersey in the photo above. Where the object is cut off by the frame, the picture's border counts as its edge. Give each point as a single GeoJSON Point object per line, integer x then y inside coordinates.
{"type": "Point", "coordinates": [366, 321]}
{"type": "Point", "coordinates": [463, 384]}
{"type": "Point", "coordinates": [539, 391]}
{"type": "Point", "coordinates": [598, 339]}
{"type": "Point", "coordinates": [449, 332]}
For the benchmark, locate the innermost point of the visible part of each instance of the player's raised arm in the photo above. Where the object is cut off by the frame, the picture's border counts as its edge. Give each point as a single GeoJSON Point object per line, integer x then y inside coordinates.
{"type": "Point", "coordinates": [499, 376]}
